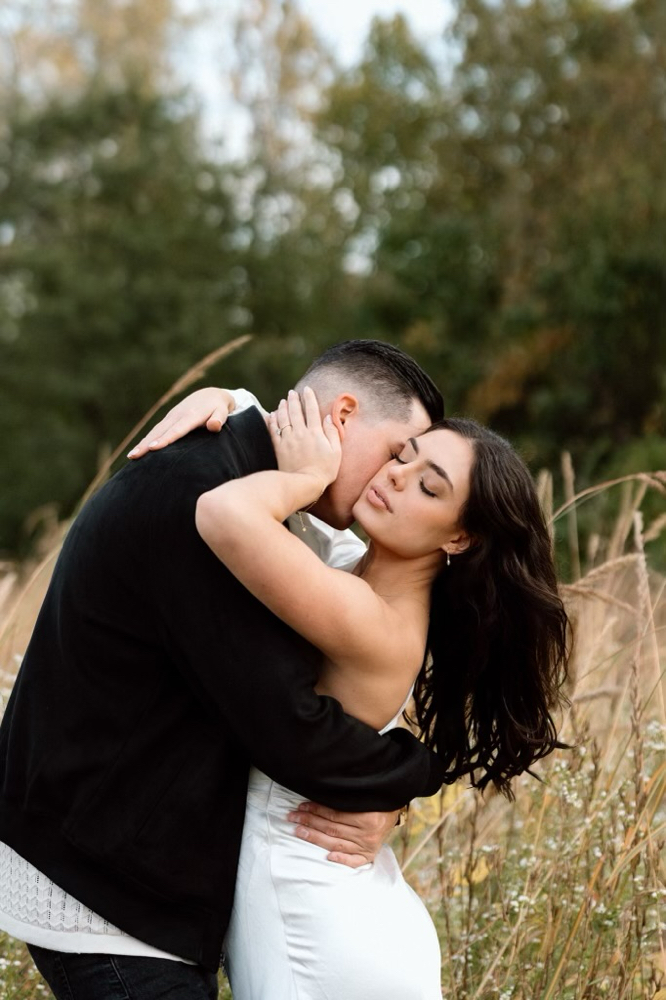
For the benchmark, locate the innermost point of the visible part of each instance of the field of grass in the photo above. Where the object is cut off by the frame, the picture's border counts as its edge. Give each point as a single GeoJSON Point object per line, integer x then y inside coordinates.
{"type": "Point", "coordinates": [562, 893]}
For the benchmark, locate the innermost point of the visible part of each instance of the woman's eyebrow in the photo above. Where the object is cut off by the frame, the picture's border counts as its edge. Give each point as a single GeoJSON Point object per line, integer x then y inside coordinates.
{"type": "Point", "coordinates": [432, 465]}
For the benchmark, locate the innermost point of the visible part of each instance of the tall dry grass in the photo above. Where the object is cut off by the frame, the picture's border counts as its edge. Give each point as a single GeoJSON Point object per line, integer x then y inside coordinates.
{"type": "Point", "coordinates": [562, 893]}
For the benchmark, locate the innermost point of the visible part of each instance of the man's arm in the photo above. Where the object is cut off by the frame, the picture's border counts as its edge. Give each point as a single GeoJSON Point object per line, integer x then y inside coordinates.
{"type": "Point", "coordinates": [351, 839]}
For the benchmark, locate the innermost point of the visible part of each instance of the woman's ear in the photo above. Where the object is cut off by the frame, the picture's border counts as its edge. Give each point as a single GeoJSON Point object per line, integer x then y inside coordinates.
{"type": "Point", "coordinates": [459, 543]}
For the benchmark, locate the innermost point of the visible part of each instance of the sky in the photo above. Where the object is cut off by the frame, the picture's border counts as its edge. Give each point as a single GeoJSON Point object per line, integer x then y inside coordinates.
{"type": "Point", "coordinates": [342, 24]}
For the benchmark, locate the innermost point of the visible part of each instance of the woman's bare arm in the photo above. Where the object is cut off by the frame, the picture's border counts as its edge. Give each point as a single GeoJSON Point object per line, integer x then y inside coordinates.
{"type": "Point", "coordinates": [209, 407]}
{"type": "Point", "coordinates": [241, 521]}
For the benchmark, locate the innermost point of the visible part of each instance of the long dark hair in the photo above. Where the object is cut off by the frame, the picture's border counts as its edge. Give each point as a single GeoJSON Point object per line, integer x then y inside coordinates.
{"type": "Point", "coordinates": [498, 632]}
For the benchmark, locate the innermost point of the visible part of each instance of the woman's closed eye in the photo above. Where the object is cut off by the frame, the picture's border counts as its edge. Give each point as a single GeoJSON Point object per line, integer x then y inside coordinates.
{"type": "Point", "coordinates": [395, 457]}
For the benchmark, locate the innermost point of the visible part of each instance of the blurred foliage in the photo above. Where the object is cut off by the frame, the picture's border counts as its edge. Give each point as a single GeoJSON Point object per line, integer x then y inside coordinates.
{"type": "Point", "coordinates": [117, 277]}
{"type": "Point", "coordinates": [497, 208]}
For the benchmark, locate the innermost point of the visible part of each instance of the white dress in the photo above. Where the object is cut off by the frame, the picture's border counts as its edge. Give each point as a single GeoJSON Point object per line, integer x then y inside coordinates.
{"type": "Point", "coordinates": [304, 928]}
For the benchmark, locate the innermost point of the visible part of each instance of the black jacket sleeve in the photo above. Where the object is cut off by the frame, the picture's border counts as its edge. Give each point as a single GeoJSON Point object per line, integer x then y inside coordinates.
{"type": "Point", "coordinates": [247, 667]}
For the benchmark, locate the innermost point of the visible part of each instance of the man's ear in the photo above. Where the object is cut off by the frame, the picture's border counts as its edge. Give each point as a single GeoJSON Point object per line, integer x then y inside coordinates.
{"type": "Point", "coordinates": [343, 407]}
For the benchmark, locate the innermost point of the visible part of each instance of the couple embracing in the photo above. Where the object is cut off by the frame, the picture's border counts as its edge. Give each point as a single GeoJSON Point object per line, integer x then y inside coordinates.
{"type": "Point", "coordinates": [209, 655]}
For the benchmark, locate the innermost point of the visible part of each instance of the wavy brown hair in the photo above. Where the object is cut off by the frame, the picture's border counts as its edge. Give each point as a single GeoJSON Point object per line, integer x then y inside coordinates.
{"type": "Point", "coordinates": [498, 632]}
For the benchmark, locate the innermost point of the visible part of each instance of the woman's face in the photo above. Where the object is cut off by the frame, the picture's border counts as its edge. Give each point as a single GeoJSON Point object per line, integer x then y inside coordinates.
{"type": "Point", "coordinates": [412, 505]}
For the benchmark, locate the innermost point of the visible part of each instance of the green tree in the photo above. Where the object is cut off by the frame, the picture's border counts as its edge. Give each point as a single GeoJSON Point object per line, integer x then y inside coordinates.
{"type": "Point", "coordinates": [116, 274]}
{"type": "Point", "coordinates": [290, 241]}
{"type": "Point", "coordinates": [426, 255]}
{"type": "Point", "coordinates": [512, 211]}
{"type": "Point", "coordinates": [497, 209]}
{"type": "Point", "coordinates": [63, 46]}
{"type": "Point", "coordinates": [566, 114]}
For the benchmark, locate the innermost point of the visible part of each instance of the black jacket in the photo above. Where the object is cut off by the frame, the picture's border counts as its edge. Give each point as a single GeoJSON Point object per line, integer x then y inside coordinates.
{"type": "Point", "coordinates": [152, 680]}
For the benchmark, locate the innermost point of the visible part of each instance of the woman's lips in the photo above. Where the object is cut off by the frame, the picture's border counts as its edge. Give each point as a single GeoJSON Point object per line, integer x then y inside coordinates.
{"type": "Point", "coordinates": [377, 499]}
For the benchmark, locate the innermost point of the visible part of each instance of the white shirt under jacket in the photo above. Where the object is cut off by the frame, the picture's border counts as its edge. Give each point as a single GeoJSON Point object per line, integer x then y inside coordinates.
{"type": "Point", "coordinates": [35, 910]}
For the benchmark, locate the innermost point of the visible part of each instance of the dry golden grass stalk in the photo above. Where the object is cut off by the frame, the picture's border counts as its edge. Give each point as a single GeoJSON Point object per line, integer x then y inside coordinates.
{"type": "Point", "coordinates": [655, 529]}
{"type": "Point", "coordinates": [653, 480]}
{"type": "Point", "coordinates": [194, 374]}
{"type": "Point", "coordinates": [647, 610]}
{"type": "Point", "coordinates": [572, 934]}
{"type": "Point", "coordinates": [599, 595]}
{"type": "Point", "coordinates": [191, 376]}
{"type": "Point", "coordinates": [572, 521]}
{"type": "Point", "coordinates": [579, 917]}
{"type": "Point", "coordinates": [544, 485]}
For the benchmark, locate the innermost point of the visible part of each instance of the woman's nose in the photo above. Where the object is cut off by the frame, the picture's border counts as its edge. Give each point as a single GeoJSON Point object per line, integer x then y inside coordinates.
{"type": "Point", "coordinates": [397, 475]}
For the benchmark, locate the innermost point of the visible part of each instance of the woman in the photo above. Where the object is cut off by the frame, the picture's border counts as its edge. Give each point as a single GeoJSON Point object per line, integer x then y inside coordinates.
{"type": "Point", "coordinates": [456, 600]}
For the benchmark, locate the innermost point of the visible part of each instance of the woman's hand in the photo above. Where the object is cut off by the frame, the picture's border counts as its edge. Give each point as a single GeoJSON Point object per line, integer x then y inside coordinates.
{"type": "Point", "coordinates": [205, 406]}
{"type": "Point", "coordinates": [303, 443]}
{"type": "Point", "coordinates": [352, 839]}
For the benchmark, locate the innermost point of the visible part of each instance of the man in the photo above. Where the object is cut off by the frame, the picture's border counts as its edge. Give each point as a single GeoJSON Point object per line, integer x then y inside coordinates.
{"type": "Point", "coordinates": [153, 680]}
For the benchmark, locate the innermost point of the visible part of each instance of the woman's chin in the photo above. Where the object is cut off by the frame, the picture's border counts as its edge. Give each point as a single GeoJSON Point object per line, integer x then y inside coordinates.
{"type": "Point", "coordinates": [359, 512]}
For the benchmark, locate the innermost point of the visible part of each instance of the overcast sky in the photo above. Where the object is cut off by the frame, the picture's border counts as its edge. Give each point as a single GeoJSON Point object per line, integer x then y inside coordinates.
{"type": "Point", "coordinates": [343, 25]}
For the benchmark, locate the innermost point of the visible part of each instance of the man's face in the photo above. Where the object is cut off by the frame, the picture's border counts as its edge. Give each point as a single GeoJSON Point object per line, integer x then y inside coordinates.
{"type": "Point", "coordinates": [366, 446]}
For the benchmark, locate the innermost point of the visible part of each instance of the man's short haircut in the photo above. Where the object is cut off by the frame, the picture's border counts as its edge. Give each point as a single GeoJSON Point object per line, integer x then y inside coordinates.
{"type": "Point", "coordinates": [389, 378]}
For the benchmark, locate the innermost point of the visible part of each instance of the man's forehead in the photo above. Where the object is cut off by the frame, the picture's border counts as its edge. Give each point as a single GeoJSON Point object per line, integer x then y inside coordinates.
{"type": "Point", "coordinates": [420, 416]}
{"type": "Point", "coordinates": [395, 434]}
{"type": "Point", "coordinates": [416, 422]}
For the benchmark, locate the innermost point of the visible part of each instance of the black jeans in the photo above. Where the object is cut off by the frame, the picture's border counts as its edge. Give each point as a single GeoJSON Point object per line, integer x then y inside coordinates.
{"type": "Point", "coordinates": [122, 977]}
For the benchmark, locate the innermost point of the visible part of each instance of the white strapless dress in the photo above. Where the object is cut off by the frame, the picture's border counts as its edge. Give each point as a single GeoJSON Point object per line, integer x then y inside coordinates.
{"type": "Point", "coordinates": [304, 928]}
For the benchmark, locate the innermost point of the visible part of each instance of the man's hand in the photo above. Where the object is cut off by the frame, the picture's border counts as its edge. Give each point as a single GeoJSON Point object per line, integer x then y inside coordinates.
{"type": "Point", "coordinates": [352, 839]}
{"type": "Point", "coordinates": [205, 406]}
